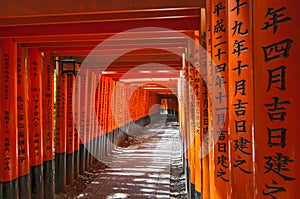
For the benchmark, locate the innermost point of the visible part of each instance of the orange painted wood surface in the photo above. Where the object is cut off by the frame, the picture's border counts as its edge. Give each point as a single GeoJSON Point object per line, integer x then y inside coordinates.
{"type": "Point", "coordinates": [241, 106]}
{"type": "Point", "coordinates": [61, 114]}
{"type": "Point", "coordinates": [204, 114]}
{"type": "Point", "coordinates": [276, 70]}
{"type": "Point", "coordinates": [191, 105]}
{"type": "Point", "coordinates": [209, 83]}
{"type": "Point", "coordinates": [196, 87]}
{"type": "Point", "coordinates": [22, 107]}
{"type": "Point", "coordinates": [83, 104]}
{"type": "Point", "coordinates": [70, 142]}
{"type": "Point", "coordinates": [8, 106]}
{"type": "Point", "coordinates": [219, 44]}
{"type": "Point", "coordinates": [35, 115]}
{"type": "Point", "coordinates": [48, 108]}
{"type": "Point", "coordinates": [76, 113]}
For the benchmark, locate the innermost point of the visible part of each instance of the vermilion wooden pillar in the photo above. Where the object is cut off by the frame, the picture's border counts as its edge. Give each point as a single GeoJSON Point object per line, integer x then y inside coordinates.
{"type": "Point", "coordinates": [97, 116]}
{"type": "Point", "coordinates": [210, 156]}
{"type": "Point", "coordinates": [219, 44]}
{"type": "Point", "coordinates": [61, 131]}
{"type": "Point", "coordinates": [191, 125]}
{"type": "Point", "coordinates": [186, 124]}
{"type": "Point", "coordinates": [70, 130]}
{"type": "Point", "coordinates": [105, 114]}
{"type": "Point", "coordinates": [197, 112]}
{"type": "Point", "coordinates": [83, 104]}
{"type": "Point", "coordinates": [76, 113]}
{"type": "Point", "coordinates": [93, 113]}
{"type": "Point", "coordinates": [102, 104]}
{"type": "Point", "coordinates": [23, 132]}
{"type": "Point", "coordinates": [48, 124]}
{"type": "Point", "coordinates": [88, 131]}
{"type": "Point", "coordinates": [276, 75]}
{"type": "Point", "coordinates": [9, 170]}
{"type": "Point", "coordinates": [101, 117]}
{"type": "Point", "coordinates": [203, 54]}
{"type": "Point", "coordinates": [35, 122]}
{"type": "Point", "coordinates": [240, 69]}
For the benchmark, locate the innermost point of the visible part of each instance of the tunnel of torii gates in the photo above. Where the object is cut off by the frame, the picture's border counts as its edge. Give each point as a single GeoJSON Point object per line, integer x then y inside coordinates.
{"type": "Point", "coordinates": [237, 101]}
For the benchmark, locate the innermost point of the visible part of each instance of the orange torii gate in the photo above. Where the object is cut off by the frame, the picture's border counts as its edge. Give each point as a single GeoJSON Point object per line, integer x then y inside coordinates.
{"type": "Point", "coordinates": [9, 132]}
{"type": "Point", "coordinates": [253, 45]}
{"type": "Point", "coordinates": [254, 156]}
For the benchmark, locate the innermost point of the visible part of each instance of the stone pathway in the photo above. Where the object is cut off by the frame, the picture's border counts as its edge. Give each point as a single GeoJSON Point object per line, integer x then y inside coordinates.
{"type": "Point", "coordinates": [141, 170]}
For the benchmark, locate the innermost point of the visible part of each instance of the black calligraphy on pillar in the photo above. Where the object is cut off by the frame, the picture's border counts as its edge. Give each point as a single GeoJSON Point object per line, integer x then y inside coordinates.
{"type": "Point", "coordinates": [222, 147]}
{"type": "Point", "coordinates": [240, 87]}
{"type": "Point", "coordinates": [221, 96]}
{"type": "Point", "coordinates": [223, 161]}
{"type": "Point", "coordinates": [275, 18]}
{"type": "Point", "coordinates": [34, 68]}
{"type": "Point", "coordinates": [241, 145]}
{"type": "Point", "coordinates": [278, 164]}
{"type": "Point", "coordinates": [219, 27]}
{"type": "Point", "coordinates": [276, 110]}
{"type": "Point", "coordinates": [220, 47]}
{"type": "Point", "coordinates": [221, 173]}
{"type": "Point", "coordinates": [7, 163]}
{"type": "Point", "coordinates": [239, 47]}
{"type": "Point", "coordinates": [36, 105]}
{"type": "Point", "coordinates": [221, 118]}
{"type": "Point", "coordinates": [6, 74]}
{"type": "Point", "coordinates": [240, 126]}
{"type": "Point", "coordinates": [238, 29]}
{"type": "Point", "coordinates": [21, 117]}
{"type": "Point", "coordinates": [277, 50]}
{"type": "Point", "coordinates": [220, 67]}
{"type": "Point", "coordinates": [277, 137]}
{"type": "Point", "coordinates": [240, 67]}
{"type": "Point", "coordinates": [220, 52]}
{"type": "Point", "coordinates": [220, 81]}
{"type": "Point", "coordinates": [238, 164]}
{"type": "Point", "coordinates": [240, 108]}
{"type": "Point", "coordinates": [238, 7]}
{"type": "Point", "coordinates": [277, 76]}
{"type": "Point", "coordinates": [218, 8]}
{"type": "Point", "coordinates": [222, 134]}
{"type": "Point", "coordinates": [273, 189]}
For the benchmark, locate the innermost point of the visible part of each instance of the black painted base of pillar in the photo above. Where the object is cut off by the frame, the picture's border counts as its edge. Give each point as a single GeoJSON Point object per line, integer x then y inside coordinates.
{"type": "Point", "coordinates": [60, 172]}
{"type": "Point", "coordinates": [192, 191]}
{"type": "Point", "coordinates": [48, 180]}
{"type": "Point", "coordinates": [197, 195]}
{"type": "Point", "coordinates": [37, 182]}
{"type": "Point", "coordinates": [82, 159]}
{"type": "Point", "coordinates": [24, 186]}
{"type": "Point", "coordinates": [93, 151]}
{"type": "Point", "coordinates": [87, 156]}
{"type": "Point", "coordinates": [187, 170]}
{"type": "Point", "coordinates": [9, 190]}
{"type": "Point", "coordinates": [97, 154]}
{"type": "Point", "coordinates": [76, 164]}
{"type": "Point", "coordinates": [70, 168]}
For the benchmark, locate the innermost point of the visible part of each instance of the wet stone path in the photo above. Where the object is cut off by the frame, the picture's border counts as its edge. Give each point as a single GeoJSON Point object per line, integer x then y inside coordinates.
{"type": "Point", "coordinates": [142, 170]}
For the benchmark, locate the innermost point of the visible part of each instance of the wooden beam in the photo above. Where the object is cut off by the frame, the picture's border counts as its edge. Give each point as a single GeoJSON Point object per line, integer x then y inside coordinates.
{"type": "Point", "coordinates": [97, 37]}
{"type": "Point", "coordinates": [41, 7]}
{"type": "Point", "coordinates": [92, 43]}
{"type": "Point", "coordinates": [140, 75]}
{"type": "Point", "coordinates": [125, 67]}
{"type": "Point", "coordinates": [108, 48]}
{"type": "Point", "coordinates": [127, 15]}
{"type": "Point", "coordinates": [186, 23]}
{"type": "Point", "coordinates": [84, 53]}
